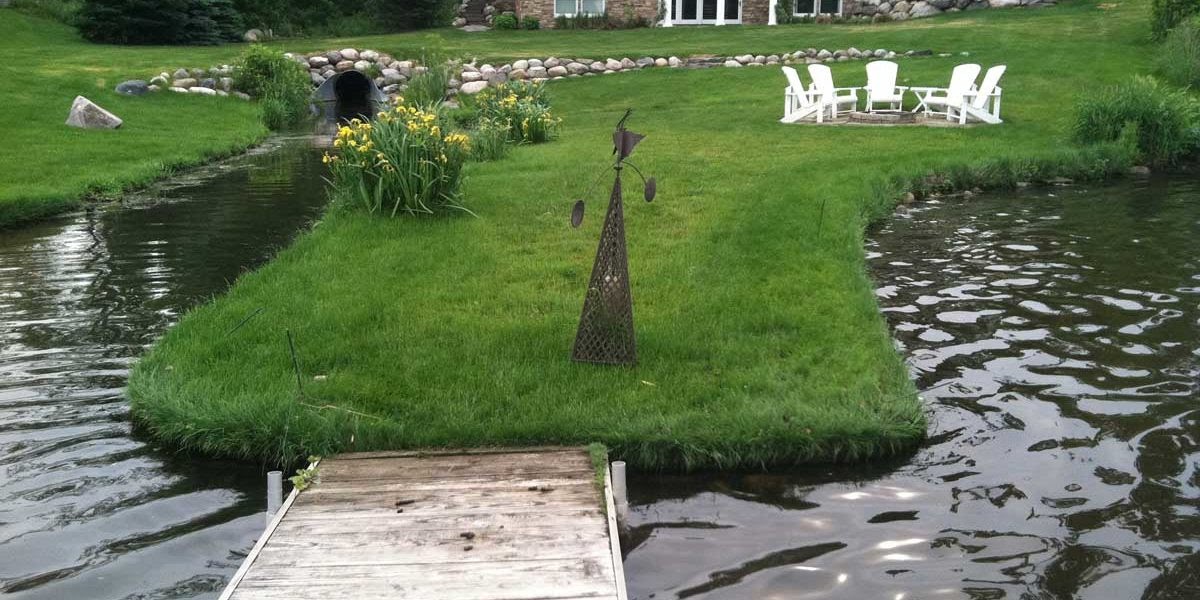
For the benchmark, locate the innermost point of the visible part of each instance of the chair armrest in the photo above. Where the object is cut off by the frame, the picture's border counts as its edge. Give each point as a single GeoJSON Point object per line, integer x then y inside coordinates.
{"type": "Point", "coordinates": [847, 89]}
{"type": "Point", "coordinates": [918, 88]}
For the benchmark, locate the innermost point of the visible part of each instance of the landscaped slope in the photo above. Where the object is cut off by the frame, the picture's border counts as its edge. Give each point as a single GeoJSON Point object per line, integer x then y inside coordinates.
{"type": "Point", "coordinates": [49, 167]}
{"type": "Point", "coordinates": [760, 340]}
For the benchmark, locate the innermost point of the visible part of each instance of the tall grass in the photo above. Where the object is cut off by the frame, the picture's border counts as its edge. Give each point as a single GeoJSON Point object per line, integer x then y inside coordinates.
{"type": "Point", "coordinates": [1179, 56]}
{"type": "Point", "coordinates": [281, 85]}
{"type": "Point", "coordinates": [1160, 119]}
{"type": "Point", "coordinates": [428, 88]}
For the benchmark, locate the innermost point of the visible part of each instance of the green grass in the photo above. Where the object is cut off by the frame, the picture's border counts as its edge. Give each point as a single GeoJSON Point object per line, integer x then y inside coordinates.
{"type": "Point", "coordinates": [49, 167]}
{"type": "Point", "coordinates": [760, 340]}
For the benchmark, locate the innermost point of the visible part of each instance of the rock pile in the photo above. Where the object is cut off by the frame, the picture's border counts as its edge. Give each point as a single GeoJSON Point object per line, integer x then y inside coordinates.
{"type": "Point", "coordinates": [900, 10]}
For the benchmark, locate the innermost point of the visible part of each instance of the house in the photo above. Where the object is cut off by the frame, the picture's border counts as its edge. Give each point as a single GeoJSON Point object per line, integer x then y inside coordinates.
{"type": "Point", "coordinates": [675, 12]}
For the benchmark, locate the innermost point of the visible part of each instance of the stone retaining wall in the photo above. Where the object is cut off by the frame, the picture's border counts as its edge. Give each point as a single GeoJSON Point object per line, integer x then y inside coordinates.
{"type": "Point", "coordinates": [392, 75]}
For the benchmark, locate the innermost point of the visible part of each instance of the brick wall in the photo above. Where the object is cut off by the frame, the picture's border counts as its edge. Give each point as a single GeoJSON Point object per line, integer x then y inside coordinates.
{"type": "Point", "coordinates": [616, 9]}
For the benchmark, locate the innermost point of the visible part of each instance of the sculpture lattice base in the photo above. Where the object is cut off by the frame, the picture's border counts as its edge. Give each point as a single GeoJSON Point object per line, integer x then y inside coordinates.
{"type": "Point", "coordinates": [605, 332]}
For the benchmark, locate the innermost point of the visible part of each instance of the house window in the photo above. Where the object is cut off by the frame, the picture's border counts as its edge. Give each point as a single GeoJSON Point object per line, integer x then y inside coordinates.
{"type": "Point", "coordinates": [571, 8]}
{"type": "Point", "coordinates": [818, 7]}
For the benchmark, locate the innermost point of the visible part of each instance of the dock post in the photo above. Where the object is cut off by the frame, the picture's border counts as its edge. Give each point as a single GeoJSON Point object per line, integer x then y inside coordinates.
{"type": "Point", "coordinates": [620, 494]}
{"type": "Point", "coordinates": [274, 493]}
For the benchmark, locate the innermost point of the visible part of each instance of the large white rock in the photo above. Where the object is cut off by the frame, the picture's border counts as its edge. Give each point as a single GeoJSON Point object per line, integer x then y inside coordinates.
{"type": "Point", "coordinates": [473, 87]}
{"type": "Point", "coordinates": [317, 62]}
{"type": "Point", "coordinates": [202, 91]}
{"type": "Point", "coordinates": [349, 54]}
{"type": "Point", "coordinates": [86, 114]}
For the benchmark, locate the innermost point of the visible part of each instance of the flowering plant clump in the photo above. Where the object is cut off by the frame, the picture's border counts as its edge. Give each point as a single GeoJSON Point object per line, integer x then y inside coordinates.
{"type": "Point", "coordinates": [404, 161]}
{"type": "Point", "coordinates": [523, 107]}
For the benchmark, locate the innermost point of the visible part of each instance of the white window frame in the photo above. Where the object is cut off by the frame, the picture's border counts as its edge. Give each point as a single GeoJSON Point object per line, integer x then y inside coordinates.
{"type": "Point", "coordinates": [677, 13]}
{"type": "Point", "coordinates": [816, 9]}
{"type": "Point", "coordinates": [578, 9]}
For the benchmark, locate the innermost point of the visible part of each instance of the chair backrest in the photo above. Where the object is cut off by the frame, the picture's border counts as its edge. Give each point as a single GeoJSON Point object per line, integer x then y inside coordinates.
{"type": "Point", "coordinates": [990, 80]}
{"type": "Point", "coordinates": [797, 86]}
{"type": "Point", "coordinates": [961, 80]}
{"type": "Point", "coordinates": [822, 79]}
{"type": "Point", "coordinates": [881, 76]}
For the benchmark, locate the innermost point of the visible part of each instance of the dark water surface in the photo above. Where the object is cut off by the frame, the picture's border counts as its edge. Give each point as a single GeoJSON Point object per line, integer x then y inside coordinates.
{"type": "Point", "coordinates": [88, 508]}
{"type": "Point", "coordinates": [1055, 336]}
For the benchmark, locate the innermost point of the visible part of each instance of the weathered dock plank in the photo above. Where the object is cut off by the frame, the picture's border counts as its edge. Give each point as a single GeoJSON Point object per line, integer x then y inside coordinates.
{"type": "Point", "coordinates": [472, 525]}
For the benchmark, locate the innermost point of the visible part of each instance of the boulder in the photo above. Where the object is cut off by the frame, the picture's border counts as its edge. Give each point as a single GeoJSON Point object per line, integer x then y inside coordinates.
{"type": "Point", "coordinates": [824, 54]}
{"type": "Point", "coordinates": [181, 74]}
{"type": "Point", "coordinates": [661, 62]}
{"type": "Point", "coordinates": [208, 82]}
{"type": "Point", "coordinates": [596, 67]}
{"type": "Point", "coordinates": [316, 79]}
{"type": "Point", "coordinates": [880, 53]}
{"type": "Point", "coordinates": [885, 7]}
{"type": "Point", "coordinates": [535, 62]}
{"type": "Point", "coordinates": [343, 66]}
{"type": "Point", "coordinates": [361, 65]}
{"type": "Point", "coordinates": [317, 62]}
{"type": "Point", "coordinates": [202, 91]}
{"type": "Point", "coordinates": [349, 54]}
{"type": "Point", "coordinates": [184, 83]}
{"type": "Point", "coordinates": [253, 35]}
{"type": "Point", "coordinates": [225, 83]}
{"type": "Point", "coordinates": [496, 77]}
{"type": "Point", "coordinates": [333, 56]}
{"type": "Point", "coordinates": [773, 59]}
{"type": "Point", "coordinates": [674, 62]}
{"type": "Point", "coordinates": [628, 64]}
{"type": "Point", "coordinates": [1004, 3]}
{"type": "Point", "coordinates": [557, 71]}
{"type": "Point", "coordinates": [744, 59]}
{"type": "Point", "coordinates": [576, 68]}
{"type": "Point", "coordinates": [86, 114]}
{"type": "Point", "coordinates": [924, 9]}
{"type": "Point", "coordinates": [391, 76]}
{"type": "Point", "coordinates": [901, 7]}
{"type": "Point", "coordinates": [517, 74]}
{"type": "Point", "coordinates": [458, 22]}
{"type": "Point", "coordinates": [644, 62]}
{"type": "Point", "coordinates": [160, 81]}
{"type": "Point", "coordinates": [538, 72]}
{"type": "Point", "coordinates": [551, 62]}
{"type": "Point", "coordinates": [473, 87]}
{"type": "Point", "coordinates": [133, 87]}
{"type": "Point", "coordinates": [154, 88]}
{"type": "Point", "coordinates": [732, 63]}
{"type": "Point", "coordinates": [520, 64]}
{"type": "Point", "coordinates": [942, 4]}
{"type": "Point", "coordinates": [469, 76]}
{"type": "Point", "coordinates": [368, 55]}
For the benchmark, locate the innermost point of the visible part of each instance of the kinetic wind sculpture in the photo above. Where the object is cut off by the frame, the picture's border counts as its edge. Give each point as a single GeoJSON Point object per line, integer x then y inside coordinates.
{"type": "Point", "coordinates": [606, 334]}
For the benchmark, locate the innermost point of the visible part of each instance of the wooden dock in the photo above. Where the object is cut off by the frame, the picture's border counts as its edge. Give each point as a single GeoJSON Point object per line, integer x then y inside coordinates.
{"type": "Point", "coordinates": [471, 525]}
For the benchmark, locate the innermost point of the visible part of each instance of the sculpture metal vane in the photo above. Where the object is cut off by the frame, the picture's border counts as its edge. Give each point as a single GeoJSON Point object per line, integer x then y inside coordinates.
{"type": "Point", "coordinates": [606, 333]}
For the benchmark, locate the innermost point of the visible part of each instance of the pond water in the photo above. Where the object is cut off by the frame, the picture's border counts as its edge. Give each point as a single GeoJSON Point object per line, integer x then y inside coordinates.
{"type": "Point", "coordinates": [88, 507]}
{"type": "Point", "coordinates": [1055, 336]}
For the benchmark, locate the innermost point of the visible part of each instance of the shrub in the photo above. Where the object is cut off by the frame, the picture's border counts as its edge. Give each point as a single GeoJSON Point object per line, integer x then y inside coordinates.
{"type": "Point", "coordinates": [505, 21]}
{"type": "Point", "coordinates": [531, 23]}
{"type": "Point", "coordinates": [584, 21]}
{"type": "Point", "coordinates": [523, 107]}
{"type": "Point", "coordinates": [1159, 120]}
{"type": "Point", "coordinates": [63, 11]}
{"type": "Point", "coordinates": [489, 140]}
{"type": "Point", "coordinates": [404, 162]}
{"type": "Point", "coordinates": [1166, 14]}
{"type": "Point", "coordinates": [402, 15]}
{"type": "Point", "coordinates": [1179, 57]}
{"type": "Point", "coordinates": [282, 85]}
{"type": "Point", "coordinates": [159, 21]}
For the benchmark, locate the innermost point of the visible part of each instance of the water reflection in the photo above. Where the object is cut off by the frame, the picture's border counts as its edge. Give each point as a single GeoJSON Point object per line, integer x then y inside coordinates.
{"type": "Point", "coordinates": [1056, 338]}
{"type": "Point", "coordinates": [88, 509]}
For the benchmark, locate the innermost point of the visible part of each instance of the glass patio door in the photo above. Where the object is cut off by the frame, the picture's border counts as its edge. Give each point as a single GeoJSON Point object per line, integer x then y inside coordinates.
{"type": "Point", "coordinates": [695, 12]}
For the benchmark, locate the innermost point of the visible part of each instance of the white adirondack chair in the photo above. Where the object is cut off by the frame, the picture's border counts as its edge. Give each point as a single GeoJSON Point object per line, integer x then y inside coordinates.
{"type": "Point", "coordinates": [827, 96]}
{"type": "Point", "coordinates": [941, 100]}
{"type": "Point", "coordinates": [798, 104]}
{"type": "Point", "coordinates": [982, 104]}
{"type": "Point", "coordinates": [881, 86]}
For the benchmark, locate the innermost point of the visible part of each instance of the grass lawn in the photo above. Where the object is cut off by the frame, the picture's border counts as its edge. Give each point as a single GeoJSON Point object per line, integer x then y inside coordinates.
{"type": "Point", "coordinates": [49, 167]}
{"type": "Point", "coordinates": [760, 339]}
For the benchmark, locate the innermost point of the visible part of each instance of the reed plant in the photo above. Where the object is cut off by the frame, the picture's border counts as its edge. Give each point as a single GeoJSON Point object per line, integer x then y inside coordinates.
{"type": "Point", "coordinates": [489, 140]}
{"type": "Point", "coordinates": [1161, 119]}
{"type": "Point", "coordinates": [405, 162]}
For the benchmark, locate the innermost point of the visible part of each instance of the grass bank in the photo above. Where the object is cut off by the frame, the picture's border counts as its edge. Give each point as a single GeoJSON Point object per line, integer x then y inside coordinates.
{"type": "Point", "coordinates": [49, 167]}
{"type": "Point", "coordinates": [760, 340]}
